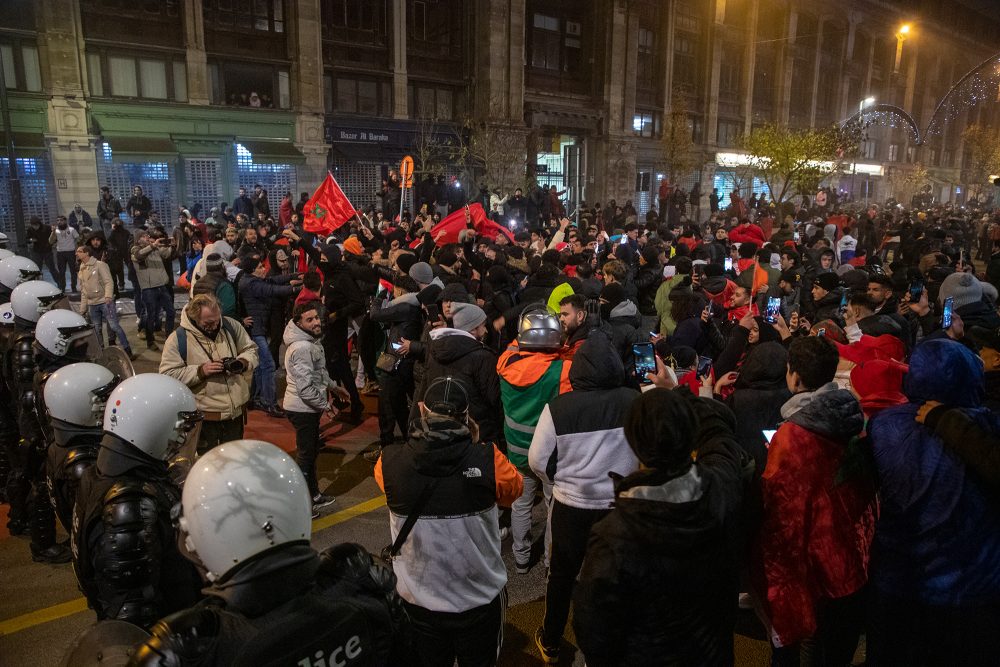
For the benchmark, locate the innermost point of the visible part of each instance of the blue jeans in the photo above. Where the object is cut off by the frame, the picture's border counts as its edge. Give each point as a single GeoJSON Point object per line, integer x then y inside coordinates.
{"type": "Point", "coordinates": [105, 312]}
{"type": "Point", "coordinates": [155, 299]}
{"type": "Point", "coordinates": [263, 375]}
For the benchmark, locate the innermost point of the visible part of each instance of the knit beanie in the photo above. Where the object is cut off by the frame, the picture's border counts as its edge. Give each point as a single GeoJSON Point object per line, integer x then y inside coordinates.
{"type": "Point", "coordinates": [214, 262]}
{"type": "Point", "coordinates": [964, 288]}
{"type": "Point", "coordinates": [828, 281]}
{"type": "Point", "coordinates": [353, 246]}
{"type": "Point", "coordinates": [406, 260]}
{"type": "Point", "coordinates": [613, 293]}
{"type": "Point", "coordinates": [421, 272]}
{"type": "Point", "coordinates": [467, 316]}
{"type": "Point", "coordinates": [456, 293]}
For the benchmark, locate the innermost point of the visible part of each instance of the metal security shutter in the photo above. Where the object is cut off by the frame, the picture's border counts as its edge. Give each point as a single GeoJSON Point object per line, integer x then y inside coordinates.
{"type": "Point", "coordinates": [277, 179]}
{"type": "Point", "coordinates": [204, 183]}
{"type": "Point", "coordinates": [359, 182]}
{"type": "Point", "coordinates": [37, 192]}
{"type": "Point", "coordinates": [157, 180]}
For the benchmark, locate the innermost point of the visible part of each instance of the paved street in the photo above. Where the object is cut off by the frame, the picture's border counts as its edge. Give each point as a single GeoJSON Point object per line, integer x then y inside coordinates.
{"type": "Point", "coordinates": [41, 610]}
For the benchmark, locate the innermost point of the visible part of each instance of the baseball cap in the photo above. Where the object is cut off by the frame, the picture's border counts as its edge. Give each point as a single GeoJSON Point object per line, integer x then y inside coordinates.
{"type": "Point", "coordinates": [446, 396]}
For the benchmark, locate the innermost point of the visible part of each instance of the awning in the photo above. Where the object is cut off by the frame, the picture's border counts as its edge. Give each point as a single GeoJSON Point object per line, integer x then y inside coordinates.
{"type": "Point", "coordinates": [26, 144]}
{"type": "Point", "coordinates": [272, 152]}
{"type": "Point", "coordinates": [139, 145]}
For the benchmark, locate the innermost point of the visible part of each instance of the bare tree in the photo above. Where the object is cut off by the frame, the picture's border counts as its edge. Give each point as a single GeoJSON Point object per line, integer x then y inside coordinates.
{"type": "Point", "coordinates": [491, 151]}
{"type": "Point", "coordinates": [677, 144]}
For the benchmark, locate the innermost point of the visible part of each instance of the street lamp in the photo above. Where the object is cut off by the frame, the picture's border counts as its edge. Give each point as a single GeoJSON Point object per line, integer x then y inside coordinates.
{"type": "Point", "coordinates": [901, 35]}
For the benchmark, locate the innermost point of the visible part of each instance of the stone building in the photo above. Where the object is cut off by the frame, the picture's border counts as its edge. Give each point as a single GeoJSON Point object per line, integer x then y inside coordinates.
{"type": "Point", "coordinates": [193, 98]}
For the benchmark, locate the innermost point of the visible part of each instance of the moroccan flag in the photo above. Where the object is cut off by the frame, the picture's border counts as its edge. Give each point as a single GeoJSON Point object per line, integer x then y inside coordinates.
{"type": "Point", "coordinates": [327, 209]}
{"type": "Point", "coordinates": [455, 223]}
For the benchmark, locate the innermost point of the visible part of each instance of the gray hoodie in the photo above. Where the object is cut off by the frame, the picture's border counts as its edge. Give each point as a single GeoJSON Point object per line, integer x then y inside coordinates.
{"type": "Point", "coordinates": [305, 368]}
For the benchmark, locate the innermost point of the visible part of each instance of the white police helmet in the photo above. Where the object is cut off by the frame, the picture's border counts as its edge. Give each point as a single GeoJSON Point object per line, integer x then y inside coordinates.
{"type": "Point", "coordinates": [242, 498]}
{"type": "Point", "coordinates": [4, 241]}
{"type": "Point", "coordinates": [16, 270]}
{"type": "Point", "coordinates": [29, 300]}
{"type": "Point", "coordinates": [75, 397]}
{"type": "Point", "coordinates": [64, 333]}
{"type": "Point", "coordinates": [5, 254]}
{"type": "Point", "coordinates": [155, 413]}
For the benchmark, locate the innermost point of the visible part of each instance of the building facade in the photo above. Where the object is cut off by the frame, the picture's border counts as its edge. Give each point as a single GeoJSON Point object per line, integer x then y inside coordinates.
{"type": "Point", "coordinates": [192, 98]}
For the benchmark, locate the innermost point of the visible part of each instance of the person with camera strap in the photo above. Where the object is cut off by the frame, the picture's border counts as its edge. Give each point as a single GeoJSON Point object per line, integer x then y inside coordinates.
{"type": "Point", "coordinates": [215, 357]}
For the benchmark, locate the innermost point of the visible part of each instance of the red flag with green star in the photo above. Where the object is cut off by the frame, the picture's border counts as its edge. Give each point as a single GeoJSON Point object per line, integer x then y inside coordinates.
{"type": "Point", "coordinates": [327, 209]}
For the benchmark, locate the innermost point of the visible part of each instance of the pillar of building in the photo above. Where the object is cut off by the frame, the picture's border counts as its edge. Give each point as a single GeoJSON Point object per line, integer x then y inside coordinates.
{"type": "Point", "coordinates": [306, 52]}
{"type": "Point", "coordinates": [715, 47]}
{"type": "Point", "coordinates": [72, 150]}
{"type": "Point", "coordinates": [750, 65]}
{"type": "Point", "coordinates": [784, 66]}
{"type": "Point", "coordinates": [499, 61]}
{"type": "Point", "coordinates": [613, 154]}
{"type": "Point", "coordinates": [817, 72]}
{"type": "Point", "coordinates": [400, 93]}
{"type": "Point", "coordinates": [195, 54]}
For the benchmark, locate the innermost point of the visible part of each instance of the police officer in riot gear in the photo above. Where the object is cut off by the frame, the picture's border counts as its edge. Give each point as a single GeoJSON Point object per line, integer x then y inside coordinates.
{"type": "Point", "coordinates": [75, 397]}
{"type": "Point", "coordinates": [12, 273]}
{"type": "Point", "coordinates": [29, 301]}
{"type": "Point", "coordinates": [62, 337]}
{"type": "Point", "coordinates": [273, 600]}
{"type": "Point", "coordinates": [125, 552]}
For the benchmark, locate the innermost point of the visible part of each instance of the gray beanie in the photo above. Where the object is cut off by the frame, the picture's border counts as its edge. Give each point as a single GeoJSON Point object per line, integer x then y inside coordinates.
{"type": "Point", "coordinates": [467, 316]}
{"type": "Point", "coordinates": [422, 273]}
{"type": "Point", "coordinates": [964, 288]}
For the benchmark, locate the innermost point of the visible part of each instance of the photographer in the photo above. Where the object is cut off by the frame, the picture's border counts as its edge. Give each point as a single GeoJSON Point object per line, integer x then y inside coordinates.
{"type": "Point", "coordinates": [215, 357]}
{"type": "Point", "coordinates": [151, 258]}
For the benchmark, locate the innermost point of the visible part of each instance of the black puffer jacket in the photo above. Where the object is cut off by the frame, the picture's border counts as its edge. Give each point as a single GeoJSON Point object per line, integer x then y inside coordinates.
{"type": "Point", "coordinates": [660, 581]}
{"type": "Point", "coordinates": [452, 353]}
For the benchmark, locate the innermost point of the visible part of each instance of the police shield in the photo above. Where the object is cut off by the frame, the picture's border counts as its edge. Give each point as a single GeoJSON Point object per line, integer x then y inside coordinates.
{"type": "Point", "coordinates": [116, 361]}
{"type": "Point", "coordinates": [107, 643]}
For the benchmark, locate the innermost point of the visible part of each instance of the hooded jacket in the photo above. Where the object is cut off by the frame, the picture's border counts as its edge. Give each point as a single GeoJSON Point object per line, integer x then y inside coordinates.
{"type": "Point", "coordinates": [758, 395]}
{"type": "Point", "coordinates": [451, 559]}
{"type": "Point", "coordinates": [817, 528]}
{"type": "Point", "coordinates": [660, 580]}
{"type": "Point", "coordinates": [220, 396]}
{"type": "Point", "coordinates": [458, 354]}
{"type": "Point", "coordinates": [938, 538]}
{"type": "Point", "coordinates": [305, 368]}
{"type": "Point", "coordinates": [625, 322]}
{"type": "Point", "coordinates": [580, 440]}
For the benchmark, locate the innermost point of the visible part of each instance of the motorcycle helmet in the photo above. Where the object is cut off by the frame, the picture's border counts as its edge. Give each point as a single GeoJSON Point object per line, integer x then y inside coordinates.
{"type": "Point", "coordinates": [539, 330]}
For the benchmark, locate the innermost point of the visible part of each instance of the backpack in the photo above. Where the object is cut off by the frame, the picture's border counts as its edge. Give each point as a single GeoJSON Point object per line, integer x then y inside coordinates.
{"type": "Point", "coordinates": [182, 337]}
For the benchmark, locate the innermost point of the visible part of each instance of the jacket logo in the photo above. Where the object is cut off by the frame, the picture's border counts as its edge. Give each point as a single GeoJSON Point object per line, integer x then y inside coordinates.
{"type": "Point", "coordinates": [472, 472]}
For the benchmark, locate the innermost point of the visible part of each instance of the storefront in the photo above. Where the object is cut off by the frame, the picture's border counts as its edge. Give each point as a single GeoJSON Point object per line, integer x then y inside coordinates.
{"type": "Point", "coordinates": [362, 153]}
{"type": "Point", "coordinates": [192, 156]}
{"type": "Point", "coordinates": [34, 168]}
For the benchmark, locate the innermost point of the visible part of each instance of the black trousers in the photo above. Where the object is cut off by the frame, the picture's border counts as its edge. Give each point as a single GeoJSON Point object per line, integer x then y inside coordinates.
{"type": "Point", "coordinates": [307, 445]}
{"type": "Point", "coordinates": [839, 623]}
{"type": "Point", "coordinates": [66, 259]}
{"type": "Point", "coordinates": [570, 534]}
{"type": "Point", "coordinates": [904, 632]}
{"type": "Point", "coordinates": [214, 433]}
{"type": "Point", "coordinates": [473, 637]}
{"type": "Point", "coordinates": [339, 367]}
{"type": "Point", "coordinates": [393, 407]}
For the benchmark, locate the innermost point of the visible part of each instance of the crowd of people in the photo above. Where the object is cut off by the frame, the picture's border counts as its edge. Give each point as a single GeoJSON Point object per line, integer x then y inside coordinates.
{"type": "Point", "coordinates": [787, 409]}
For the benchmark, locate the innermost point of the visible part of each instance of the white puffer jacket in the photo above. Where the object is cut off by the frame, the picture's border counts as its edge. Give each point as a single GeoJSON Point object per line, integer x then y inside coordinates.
{"type": "Point", "coordinates": [305, 369]}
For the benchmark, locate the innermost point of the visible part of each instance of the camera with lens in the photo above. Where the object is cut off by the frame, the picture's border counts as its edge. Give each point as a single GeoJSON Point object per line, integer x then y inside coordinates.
{"type": "Point", "coordinates": [232, 365]}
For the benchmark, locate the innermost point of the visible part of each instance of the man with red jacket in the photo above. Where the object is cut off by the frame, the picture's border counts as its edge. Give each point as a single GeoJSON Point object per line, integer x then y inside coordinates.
{"type": "Point", "coordinates": [810, 559]}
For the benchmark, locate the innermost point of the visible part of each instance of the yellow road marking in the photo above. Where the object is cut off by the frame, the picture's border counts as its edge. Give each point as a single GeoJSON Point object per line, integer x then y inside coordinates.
{"type": "Point", "coordinates": [64, 609]}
